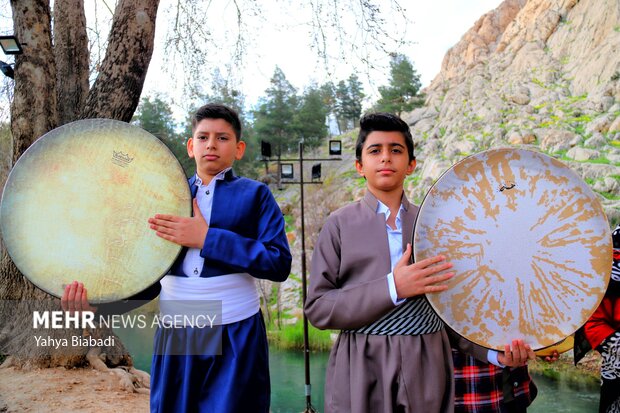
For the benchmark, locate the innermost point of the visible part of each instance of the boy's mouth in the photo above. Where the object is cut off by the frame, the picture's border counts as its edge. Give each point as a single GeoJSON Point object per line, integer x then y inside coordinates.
{"type": "Point", "coordinates": [210, 157]}
{"type": "Point", "coordinates": [386, 171]}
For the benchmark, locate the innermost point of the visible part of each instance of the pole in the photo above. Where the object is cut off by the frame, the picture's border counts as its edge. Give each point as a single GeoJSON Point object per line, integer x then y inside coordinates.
{"type": "Point", "coordinates": [308, 388]}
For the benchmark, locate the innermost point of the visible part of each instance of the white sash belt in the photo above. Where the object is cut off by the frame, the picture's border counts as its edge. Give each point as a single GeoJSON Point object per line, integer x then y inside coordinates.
{"type": "Point", "coordinates": [237, 293]}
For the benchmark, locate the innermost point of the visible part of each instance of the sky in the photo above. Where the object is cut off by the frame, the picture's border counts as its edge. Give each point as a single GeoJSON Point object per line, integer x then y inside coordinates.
{"type": "Point", "coordinates": [283, 40]}
{"type": "Point", "coordinates": [280, 37]}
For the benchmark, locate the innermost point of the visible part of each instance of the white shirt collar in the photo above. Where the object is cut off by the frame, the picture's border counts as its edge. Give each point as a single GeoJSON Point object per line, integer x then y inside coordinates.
{"type": "Point", "coordinates": [383, 209]}
{"type": "Point", "coordinates": [217, 177]}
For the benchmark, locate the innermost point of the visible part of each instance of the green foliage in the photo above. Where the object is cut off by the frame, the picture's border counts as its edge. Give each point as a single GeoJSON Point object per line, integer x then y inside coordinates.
{"type": "Point", "coordinates": [401, 95]}
{"type": "Point", "coordinates": [610, 196]}
{"type": "Point", "coordinates": [310, 118]}
{"type": "Point", "coordinates": [289, 220]}
{"type": "Point", "coordinates": [155, 116]}
{"type": "Point", "coordinates": [292, 337]}
{"type": "Point", "coordinates": [283, 118]}
{"type": "Point", "coordinates": [274, 118]}
{"type": "Point", "coordinates": [349, 96]}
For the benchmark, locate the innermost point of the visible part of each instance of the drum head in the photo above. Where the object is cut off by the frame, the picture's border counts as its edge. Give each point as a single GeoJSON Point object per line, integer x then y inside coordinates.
{"type": "Point", "coordinates": [530, 245]}
{"type": "Point", "coordinates": [76, 204]}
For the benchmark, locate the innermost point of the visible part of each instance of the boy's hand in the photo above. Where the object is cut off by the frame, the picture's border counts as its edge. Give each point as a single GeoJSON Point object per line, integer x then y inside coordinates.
{"type": "Point", "coordinates": [420, 277]}
{"type": "Point", "coordinates": [188, 232]}
{"type": "Point", "coordinates": [516, 356]}
{"type": "Point", "coordinates": [552, 358]}
{"type": "Point", "coordinates": [75, 298]}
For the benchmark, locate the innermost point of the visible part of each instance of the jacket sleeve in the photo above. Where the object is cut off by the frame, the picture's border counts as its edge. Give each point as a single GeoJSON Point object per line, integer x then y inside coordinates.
{"type": "Point", "coordinates": [465, 346]}
{"type": "Point", "coordinates": [330, 305]}
{"type": "Point", "coordinates": [598, 327]}
{"type": "Point", "coordinates": [268, 256]}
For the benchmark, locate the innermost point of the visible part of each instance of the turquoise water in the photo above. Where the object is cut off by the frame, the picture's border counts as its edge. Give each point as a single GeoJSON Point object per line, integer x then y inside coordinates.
{"type": "Point", "coordinates": [287, 380]}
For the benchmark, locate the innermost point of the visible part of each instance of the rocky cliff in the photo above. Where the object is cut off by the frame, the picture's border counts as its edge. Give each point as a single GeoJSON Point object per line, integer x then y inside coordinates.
{"type": "Point", "coordinates": [540, 74]}
{"type": "Point", "coordinates": [533, 73]}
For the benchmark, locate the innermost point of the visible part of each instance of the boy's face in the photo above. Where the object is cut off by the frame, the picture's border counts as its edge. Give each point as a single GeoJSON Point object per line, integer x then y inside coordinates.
{"type": "Point", "coordinates": [214, 147]}
{"type": "Point", "coordinates": [385, 162]}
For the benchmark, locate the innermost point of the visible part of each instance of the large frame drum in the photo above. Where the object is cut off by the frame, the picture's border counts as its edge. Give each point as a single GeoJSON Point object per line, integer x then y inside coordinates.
{"type": "Point", "coordinates": [76, 204]}
{"type": "Point", "coordinates": [530, 245]}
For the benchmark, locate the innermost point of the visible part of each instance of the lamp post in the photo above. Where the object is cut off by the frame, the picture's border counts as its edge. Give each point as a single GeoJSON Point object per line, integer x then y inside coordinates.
{"type": "Point", "coordinates": [316, 174]}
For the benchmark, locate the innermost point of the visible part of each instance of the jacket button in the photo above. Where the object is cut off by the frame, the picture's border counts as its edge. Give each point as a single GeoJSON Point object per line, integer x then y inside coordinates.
{"type": "Point", "coordinates": [515, 384]}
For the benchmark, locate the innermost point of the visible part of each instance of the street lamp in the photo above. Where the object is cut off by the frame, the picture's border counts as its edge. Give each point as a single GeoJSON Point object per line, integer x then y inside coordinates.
{"type": "Point", "coordinates": [286, 171]}
{"type": "Point", "coordinates": [335, 148]}
{"type": "Point", "coordinates": [10, 45]}
{"type": "Point", "coordinates": [7, 70]}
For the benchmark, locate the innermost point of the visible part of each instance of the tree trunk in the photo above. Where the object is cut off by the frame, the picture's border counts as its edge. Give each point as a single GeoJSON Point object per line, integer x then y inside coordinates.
{"type": "Point", "coordinates": [72, 56]}
{"type": "Point", "coordinates": [34, 111]}
{"type": "Point", "coordinates": [116, 92]}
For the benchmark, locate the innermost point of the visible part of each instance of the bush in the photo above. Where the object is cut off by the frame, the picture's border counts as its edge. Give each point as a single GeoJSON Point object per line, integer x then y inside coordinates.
{"type": "Point", "coordinates": [292, 337]}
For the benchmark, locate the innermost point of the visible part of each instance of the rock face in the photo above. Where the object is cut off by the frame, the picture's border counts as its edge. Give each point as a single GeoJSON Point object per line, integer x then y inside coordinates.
{"type": "Point", "coordinates": [543, 74]}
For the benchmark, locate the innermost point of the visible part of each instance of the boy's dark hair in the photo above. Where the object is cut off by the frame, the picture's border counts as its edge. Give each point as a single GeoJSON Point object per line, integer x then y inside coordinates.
{"type": "Point", "coordinates": [384, 122]}
{"type": "Point", "coordinates": [218, 111]}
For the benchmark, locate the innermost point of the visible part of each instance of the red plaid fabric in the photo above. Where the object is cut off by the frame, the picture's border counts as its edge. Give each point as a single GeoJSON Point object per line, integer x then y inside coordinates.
{"type": "Point", "coordinates": [485, 388]}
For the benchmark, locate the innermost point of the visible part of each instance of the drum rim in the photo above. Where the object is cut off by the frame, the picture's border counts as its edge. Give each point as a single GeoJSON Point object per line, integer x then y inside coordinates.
{"type": "Point", "coordinates": [36, 143]}
{"type": "Point", "coordinates": [426, 195]}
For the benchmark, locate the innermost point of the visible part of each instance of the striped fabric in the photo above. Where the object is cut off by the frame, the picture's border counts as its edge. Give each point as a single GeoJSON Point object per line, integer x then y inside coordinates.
{"type": "Point", "coordinates": [413, 317]}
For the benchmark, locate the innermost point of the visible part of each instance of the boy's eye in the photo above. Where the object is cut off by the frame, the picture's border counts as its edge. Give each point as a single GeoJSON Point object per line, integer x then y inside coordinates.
{"type": "Point", "coordinates": [223, 138]}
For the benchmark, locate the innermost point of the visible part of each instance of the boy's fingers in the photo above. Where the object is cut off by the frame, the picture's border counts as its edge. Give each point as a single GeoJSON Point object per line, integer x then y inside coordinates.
{"type": "Point", "coordinates": [404, 260]}
{"type": "Point", "coordinates": [519, 352]}
{"type": "Point", "coordinates": [157, 224]}
{"type": "Point", "coordinates": [166, 237]}
{"type": "Point", "coordinates": [164, 217]}
{"type": "Point", "coordinates": [507, 355]}
{"type": "Point", "coordinates": [197, 212]}
{"type": "Point", "coordinates": [434, 269]}
{"type": "Point", "coordinates": [436, 279]}
{"type": "Point", "coordinates": [71, 296]}
{"type": "Point", "coordinates": [163, 230]}
{"type": "Point", "coordinates": [427, 262]}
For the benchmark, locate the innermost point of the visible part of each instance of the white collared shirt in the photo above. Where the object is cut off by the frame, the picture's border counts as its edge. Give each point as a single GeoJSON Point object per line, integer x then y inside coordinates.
{"type": "Point", "coordinates": [193, 262]}
{"type": "Point", "coordinates": [395, 244]}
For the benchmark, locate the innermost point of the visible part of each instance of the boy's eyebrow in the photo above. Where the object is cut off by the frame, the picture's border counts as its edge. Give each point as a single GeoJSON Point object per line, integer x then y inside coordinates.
{"type": "Point", "coordinates": [202, 132]}
{"type": "Point", "coordinates": [374, 145]}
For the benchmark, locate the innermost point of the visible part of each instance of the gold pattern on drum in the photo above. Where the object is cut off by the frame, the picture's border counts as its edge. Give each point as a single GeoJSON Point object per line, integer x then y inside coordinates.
{"type": "Point", "coordinates": [530, 244]}
{"type": "Point", "coordinates": [76, 205]}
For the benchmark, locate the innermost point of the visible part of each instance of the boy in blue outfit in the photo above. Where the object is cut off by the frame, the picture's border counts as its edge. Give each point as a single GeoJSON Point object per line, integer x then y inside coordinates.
{"type": "Point", "coordinates": [235, 235]}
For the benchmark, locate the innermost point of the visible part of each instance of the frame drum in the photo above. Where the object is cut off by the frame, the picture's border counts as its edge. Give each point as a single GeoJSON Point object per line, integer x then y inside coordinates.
{"type": "Point", "coordinates": [75, 207]}
{"type": "Point", "coordinates": [529, 243]}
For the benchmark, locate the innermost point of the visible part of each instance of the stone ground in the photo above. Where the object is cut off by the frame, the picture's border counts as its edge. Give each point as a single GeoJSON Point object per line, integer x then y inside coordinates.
{"type": "Point", "coordinates": [56, 390]}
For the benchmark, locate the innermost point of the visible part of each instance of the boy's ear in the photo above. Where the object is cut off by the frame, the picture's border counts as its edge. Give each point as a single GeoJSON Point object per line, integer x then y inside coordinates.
{"type": "Point", "coordinates": [190, 147]}
{"type": "Point", "coordinates": [240, 150]}
{"type": "Point", "coordinates": [411, 167]}
{"type": "Point", "coordinates": [358, 166]}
